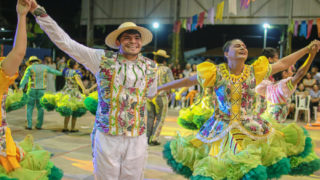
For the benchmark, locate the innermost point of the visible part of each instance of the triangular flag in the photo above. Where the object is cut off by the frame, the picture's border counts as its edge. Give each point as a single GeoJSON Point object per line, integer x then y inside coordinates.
{"type": "Point", "coordinates": [310, 22]}
{"type": "Point", "coordinates": [194, 22]}
{"type": "Point", "coordinates": [184, 24]}
{"type": "Point", "coordinates": [200, 19]}
{"type": "Point", "coordinates": [244, 4]}
{"type": "Point", "coordinates": [318, 27]}
{"type": "Point", "coordinates": [189, 22]}
{"type": "Point", "coordinates": [220, 8]}
{"type": "Point", "coordinates": [178, 26]}
{"type": "Point", "coordinates": [211, 15]}
{"type": "Point", "coordinates": [296, 26]}
{"type": "Point", "coordinates": [291, 27]}
{"type": "Point", "coordinates": [303, 29]}
{"type": "Point", "coordinates": [232, 7]}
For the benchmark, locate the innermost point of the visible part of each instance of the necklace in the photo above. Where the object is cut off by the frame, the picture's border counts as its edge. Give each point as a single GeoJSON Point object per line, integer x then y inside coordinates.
{"type": "Point", "coordinates": [237, 81]}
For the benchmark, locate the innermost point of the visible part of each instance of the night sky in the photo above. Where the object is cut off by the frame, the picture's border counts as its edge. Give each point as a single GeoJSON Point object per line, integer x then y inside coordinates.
{"type": "Point", "coordinates": [67, 15]}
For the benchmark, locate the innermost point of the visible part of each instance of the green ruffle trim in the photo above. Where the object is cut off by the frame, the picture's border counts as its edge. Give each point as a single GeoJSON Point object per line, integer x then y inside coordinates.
{"type": "Point", "coordinates": [187, 124]}
{"type": "Point", "coordinates": [91, 104]}
{"type": "Point", "coordinates": [48, 102]}
{"type": "Point", "coordinates": [258, 173]}
{"type": "Point", "coordinates": [199, 177]}
{"type": "Point", "coordinates": [177, 167]}
{"type": "Point", "coordinates": [79, 112]}
{"type": "Point", "coordinates": [282, 167]}
{"type": "Point", "coordinates": [306, 168]}
{"type": "Point", "coordinates": [64, 111]}
{"type": "Point", "coordinates": [15, 101]}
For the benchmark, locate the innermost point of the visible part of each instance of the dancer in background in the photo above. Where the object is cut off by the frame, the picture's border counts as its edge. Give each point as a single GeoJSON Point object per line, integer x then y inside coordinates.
{"type": "Point", "coordinates": [36, 77]}
{"type": "Point", "coordinates": [158, 106]}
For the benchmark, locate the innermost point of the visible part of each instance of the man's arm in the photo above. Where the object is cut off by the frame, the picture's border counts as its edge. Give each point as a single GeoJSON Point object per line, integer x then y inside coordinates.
{"type": "Point", "coordinates": [89, 57]}
{"type": "Point", "coordinates": [291, 59]}
{"type": "Point", "coordinates": [25, 78]}
{"type": "Point", "coordinates": [11, 63]}
{"type": "Point", "coordinates": [54, 71]}
{"type": "Point", "coordinates": [80, 83]}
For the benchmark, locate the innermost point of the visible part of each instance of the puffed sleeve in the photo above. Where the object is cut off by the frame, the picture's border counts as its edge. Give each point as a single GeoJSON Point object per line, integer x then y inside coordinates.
{"type": "Point", "coordinates": [262, 69]}
{"type": "Point", "coordinates": [6, 78]}
{"type": "Point", "coordinates": [206, 74]}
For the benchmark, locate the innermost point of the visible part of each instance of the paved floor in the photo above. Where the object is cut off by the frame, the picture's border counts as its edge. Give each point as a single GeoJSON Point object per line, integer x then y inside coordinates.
{"type": "Point", "coordinates": [72, 151]}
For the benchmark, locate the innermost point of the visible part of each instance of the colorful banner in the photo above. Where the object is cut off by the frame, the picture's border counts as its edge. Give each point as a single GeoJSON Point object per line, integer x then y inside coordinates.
{"type": "Point", "coordinates": [184, 24]}
{"type": "Point", "coordinates": [220, 8]}
{"type": "Point", "coordinates": [189, 22]}
{"type": "Point", "coordinates": [211, 15]}
{"type": "Point", "coordinates": [296, 26]}
{"type": "Point", "coordinates": [310, 22]}
{"type": "Point", "coordinates": [194, 22]}
{"type": "Point", "coordinates": [303, 29]}
{"type": "Point", "coordinates": [318, 27]}
{"type": "Point", "coordinates": [201, 19]}
{"type": "Point", "coordinates": [232, 7]}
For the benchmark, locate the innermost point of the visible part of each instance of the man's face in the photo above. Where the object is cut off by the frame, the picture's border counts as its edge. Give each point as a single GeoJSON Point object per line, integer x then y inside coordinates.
{"type": "Point", "coordinates": [130, 44]}
{"type": "Point", "coordinates": [237, 50]}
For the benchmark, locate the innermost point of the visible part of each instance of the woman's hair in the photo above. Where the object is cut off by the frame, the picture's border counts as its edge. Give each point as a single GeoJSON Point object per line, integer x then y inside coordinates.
{"type": "Point", "coordinates": [269, 52]}
{"type": "Point", "coordinates": [227, 44]}
{"type": "Point", "coordinates": [159, 59]}
{"type": "Point", "coordinates": [71, 63]}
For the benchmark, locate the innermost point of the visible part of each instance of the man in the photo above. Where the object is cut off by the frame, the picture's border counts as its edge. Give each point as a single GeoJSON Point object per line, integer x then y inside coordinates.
{"type": "Point", "coordinates": [125, 79]}
{"type": "Point", "coordinates": [36, 75]}
{"type": "Point", "coordinates": [158, 107]}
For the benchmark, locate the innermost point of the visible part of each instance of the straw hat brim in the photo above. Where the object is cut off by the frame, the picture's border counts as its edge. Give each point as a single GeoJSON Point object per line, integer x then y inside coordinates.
{"type": "Point", "coordinates": [29, 61]}
{"type": "Point", "coordinates": [163, 55]}
{"type": "Point", "coordinates": [146, 36]}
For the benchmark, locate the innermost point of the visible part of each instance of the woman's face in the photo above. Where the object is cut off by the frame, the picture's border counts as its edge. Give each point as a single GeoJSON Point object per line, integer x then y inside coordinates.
{"type": "Point", "coordinates": [308, 76]}
{"type": "Point", "coordinates": [237, 51]}
{"type": "Point", "coordinates": [301, 87]}
{"type": "Point", "coordinates": [315, 88]}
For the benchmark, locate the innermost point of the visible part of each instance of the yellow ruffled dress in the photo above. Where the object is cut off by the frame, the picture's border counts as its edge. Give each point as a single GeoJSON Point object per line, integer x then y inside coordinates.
{"type": "Point", "coordinates": [237, 142]}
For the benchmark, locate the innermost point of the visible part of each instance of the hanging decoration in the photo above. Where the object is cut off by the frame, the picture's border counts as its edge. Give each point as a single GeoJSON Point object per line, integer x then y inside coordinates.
{"type": "Point", "coordinates": [220, 8]}
{"type": "Point", "coordinates": [232, 7]}
{"type": "Point", "coordinates": [200, 19]}
{"type": "Point", "coordinates": [303, 29]}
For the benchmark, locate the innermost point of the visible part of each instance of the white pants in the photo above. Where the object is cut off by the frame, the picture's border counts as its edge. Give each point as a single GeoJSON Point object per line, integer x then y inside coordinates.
{"type": "Point", "coordinates": [119, 157]}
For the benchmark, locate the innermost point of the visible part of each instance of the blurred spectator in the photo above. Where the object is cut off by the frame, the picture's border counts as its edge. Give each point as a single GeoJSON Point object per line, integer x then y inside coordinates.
{"type": "Point", "coordinates": [309, 81]}
{"type": "Point", "coordinates": [315, 73]}
{"type": "Point", "coordinates": [51, 78]}
{"type": "Point", "coordinates": [186, 72]}
{"type": "Point", "coordinates": [315, 98]}
{"type": "Point", "coordinates": [302, 90]}
{"type": "Point", "coordinates": [60, 80]}
{"type": "Point", "coordinates": [176, 70]}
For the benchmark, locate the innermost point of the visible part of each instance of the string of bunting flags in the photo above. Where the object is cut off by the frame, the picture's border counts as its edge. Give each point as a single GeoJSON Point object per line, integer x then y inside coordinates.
{"type": "Point", "coordinates": [196, 21]}
{"type": "Point", "coordinates": [191, 24]}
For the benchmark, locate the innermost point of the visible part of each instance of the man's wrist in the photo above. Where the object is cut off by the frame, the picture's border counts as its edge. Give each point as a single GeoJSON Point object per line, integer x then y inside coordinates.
{"type": "Point", "coordinates": [39, 12]}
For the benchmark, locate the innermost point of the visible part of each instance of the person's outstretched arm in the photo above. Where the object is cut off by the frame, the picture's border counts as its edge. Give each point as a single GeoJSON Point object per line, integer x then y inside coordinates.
{"type": "Point", "coordinates": [11, 63]}
{"type": "Point", "coordinates": [80, 83]}
{"type": "Point", "coordinates": [54, 71]}
{"type": "Point", "coordinates": [302, 71]}
{"type": "Point", "coordinates": [89, 57]}
{"type": "Point", "coordinates": [185, 82]}
{"type": "Point", "coordinates": [291, 59]}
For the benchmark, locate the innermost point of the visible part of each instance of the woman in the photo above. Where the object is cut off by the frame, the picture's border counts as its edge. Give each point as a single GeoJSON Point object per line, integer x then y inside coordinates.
{"type": "Point", "coordinates": [68, 102]}
{"type": "Point", "coordinates": [309, 81]}
{"type": "Point", "coordinates": [235, 142]}
{"type": "Point", "coordinates": [22, 160]}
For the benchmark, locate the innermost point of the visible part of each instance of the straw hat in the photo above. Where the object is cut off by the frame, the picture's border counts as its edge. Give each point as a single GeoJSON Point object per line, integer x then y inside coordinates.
{"type": "Point", "coordinates": [162, 53]}
{"type": "Point", "coordinates": [146, 35]}
{"type": "Point", "coordinates": [32, 59]}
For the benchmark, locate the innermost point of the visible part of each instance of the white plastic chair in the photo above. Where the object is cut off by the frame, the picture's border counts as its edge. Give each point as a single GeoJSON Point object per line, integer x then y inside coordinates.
{"type": "Point", "coordinates": [315, 110]}
{"type": "Point", "coordinates": [302, 104]}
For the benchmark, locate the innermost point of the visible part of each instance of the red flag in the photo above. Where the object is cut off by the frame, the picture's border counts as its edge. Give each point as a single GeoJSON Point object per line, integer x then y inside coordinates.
{"type": "Point", "coordinates": [178, 26]}
{"type": "Point", "coordinates": [201, 19]}
{"type": "Point", "coordinates": [318, 25]}
{"type": "Point", "coordinates": [310, 22]}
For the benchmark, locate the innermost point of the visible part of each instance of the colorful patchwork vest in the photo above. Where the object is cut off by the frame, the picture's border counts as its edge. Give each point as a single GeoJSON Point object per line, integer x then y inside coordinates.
{"type": "Point", "coordinates": [121, 107]}
{"type": "Point", "coordinates": [234, 108]}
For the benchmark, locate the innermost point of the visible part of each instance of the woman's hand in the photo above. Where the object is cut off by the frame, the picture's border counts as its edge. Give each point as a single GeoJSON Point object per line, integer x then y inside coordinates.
{"type": "Point", "coordinates": [23, 7]}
